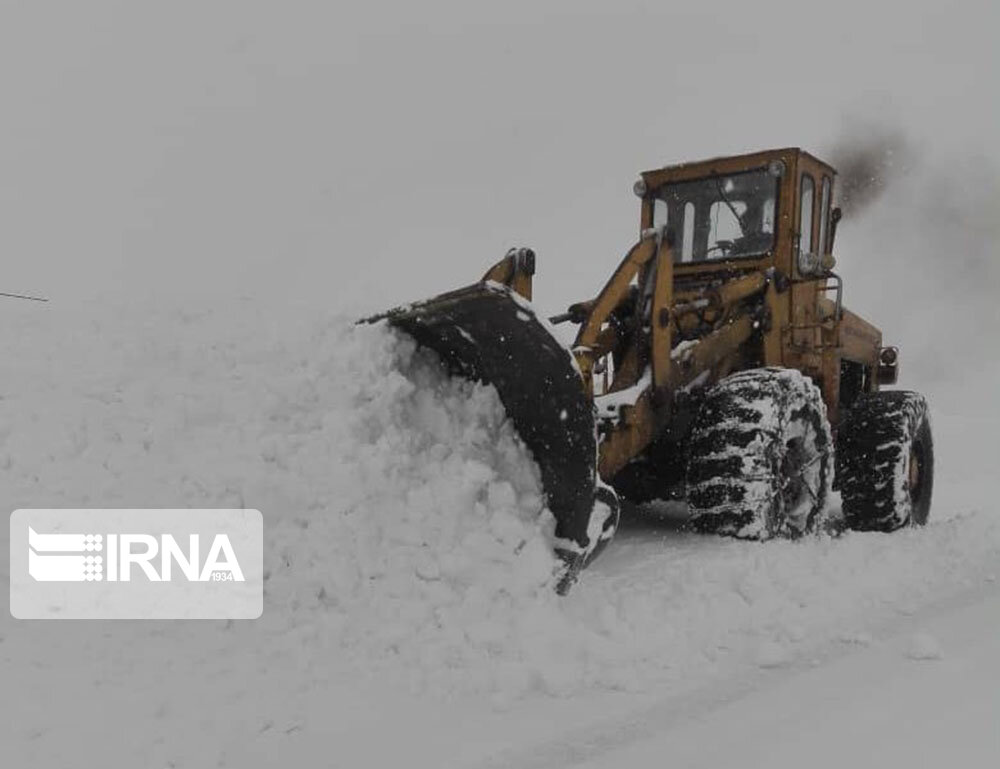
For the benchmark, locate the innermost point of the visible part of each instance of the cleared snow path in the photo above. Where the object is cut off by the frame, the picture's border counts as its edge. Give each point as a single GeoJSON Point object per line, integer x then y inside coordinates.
{"type": "Point", "coordinates": [926, 696]}
{"type": "Point", "coordinates": [409, 611]}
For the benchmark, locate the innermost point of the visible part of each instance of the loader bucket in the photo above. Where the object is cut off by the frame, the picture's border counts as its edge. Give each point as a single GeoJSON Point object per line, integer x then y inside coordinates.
{"type": "Point", "coordinates": [486, 332]}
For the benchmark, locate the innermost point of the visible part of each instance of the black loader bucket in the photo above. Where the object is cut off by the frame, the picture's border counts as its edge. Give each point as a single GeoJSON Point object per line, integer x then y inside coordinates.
{"type": "Point", "coordinates": [488, 333]}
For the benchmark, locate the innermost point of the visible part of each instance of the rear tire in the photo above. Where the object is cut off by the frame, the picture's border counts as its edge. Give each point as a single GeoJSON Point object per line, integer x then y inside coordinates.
{"type": "Point", "coordinates": [760, 462]}
{"type": "Point", "coordinates": [885, 461]}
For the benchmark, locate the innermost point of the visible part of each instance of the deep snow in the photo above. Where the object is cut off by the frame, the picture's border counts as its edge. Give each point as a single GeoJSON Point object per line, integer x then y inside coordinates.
{"type": "Point", "coordinates": [408, 597]}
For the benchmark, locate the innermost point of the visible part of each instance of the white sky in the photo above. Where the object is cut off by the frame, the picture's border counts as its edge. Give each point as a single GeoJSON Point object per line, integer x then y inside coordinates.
{"type": "Point", "coordinates": [367, 154]}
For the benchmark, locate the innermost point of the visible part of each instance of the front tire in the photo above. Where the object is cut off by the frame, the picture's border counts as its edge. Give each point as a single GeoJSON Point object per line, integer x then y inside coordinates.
{"type": "Point", "coordinates": [885, 461]}
{"type": "Point", "coordinates": [760, 462]}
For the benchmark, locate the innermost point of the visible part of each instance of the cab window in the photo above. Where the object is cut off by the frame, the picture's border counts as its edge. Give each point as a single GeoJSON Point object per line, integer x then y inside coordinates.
{"type": "Point", "coordinates": [824, 214]}
{"type": "Point", "coordinates": [659, 212]}
{"type": "Point", "coordinates": [806, 214]}
{"type": "Point", "coordinates": [687, 233]}
{"type": "Point", "coordinates": [722, 216]}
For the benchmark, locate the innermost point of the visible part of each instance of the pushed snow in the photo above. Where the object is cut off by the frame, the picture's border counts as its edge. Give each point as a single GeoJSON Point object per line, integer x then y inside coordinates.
{"type": "Point", "coordinates": [404, 518]}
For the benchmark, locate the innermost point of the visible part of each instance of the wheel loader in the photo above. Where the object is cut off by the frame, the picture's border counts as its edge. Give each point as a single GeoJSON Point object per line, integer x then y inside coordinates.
{"type": "Point", "coordinates": [718, 365]}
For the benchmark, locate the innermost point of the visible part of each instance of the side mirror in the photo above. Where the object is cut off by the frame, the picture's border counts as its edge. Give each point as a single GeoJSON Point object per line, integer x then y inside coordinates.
{"type": "Point", "coordinates": [835, 216]}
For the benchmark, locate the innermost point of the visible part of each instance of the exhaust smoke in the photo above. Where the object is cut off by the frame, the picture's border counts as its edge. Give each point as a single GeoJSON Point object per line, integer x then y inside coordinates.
{"type": "Point", "coordinates": [868, 159]}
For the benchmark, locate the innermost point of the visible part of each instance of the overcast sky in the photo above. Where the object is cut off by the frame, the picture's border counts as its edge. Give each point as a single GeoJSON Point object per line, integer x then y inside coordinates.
{"type": "Point", "coordinates": [373, 153]}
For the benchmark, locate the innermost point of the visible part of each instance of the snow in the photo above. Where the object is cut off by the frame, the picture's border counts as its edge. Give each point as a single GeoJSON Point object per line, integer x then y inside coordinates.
{"type": "Point", "coordinates": [682, 350]}
{"type": "Point", "coordinates": [409, 610]}
{"type": "Point", "coordinates": [609, 404]}
{"type": "Point", "coordinates": [873, 707]}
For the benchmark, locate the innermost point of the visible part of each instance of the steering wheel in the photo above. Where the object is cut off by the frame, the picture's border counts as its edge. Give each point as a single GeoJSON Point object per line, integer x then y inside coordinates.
{"type": "Point", "coordinates": [725, 246]}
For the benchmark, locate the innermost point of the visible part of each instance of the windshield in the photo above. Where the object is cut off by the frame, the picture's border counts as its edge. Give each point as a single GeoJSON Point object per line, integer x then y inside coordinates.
{"type": "Point", "coordinates": [720, 217]}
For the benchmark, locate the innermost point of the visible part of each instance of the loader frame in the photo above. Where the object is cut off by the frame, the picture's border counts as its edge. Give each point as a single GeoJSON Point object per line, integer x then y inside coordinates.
{"type": "Point", "coordinates": [751, 312]}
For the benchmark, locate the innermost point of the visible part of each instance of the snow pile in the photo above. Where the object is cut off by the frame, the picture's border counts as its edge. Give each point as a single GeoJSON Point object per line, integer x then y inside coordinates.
{"type": "Point", "coordinates": [403, 516]}
{"type": "Point", "coordinates": [429, 534]}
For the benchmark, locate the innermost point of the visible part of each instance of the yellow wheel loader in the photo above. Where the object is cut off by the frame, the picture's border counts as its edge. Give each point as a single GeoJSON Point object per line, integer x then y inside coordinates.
{"type": "Point", "coordinates": [717, 365]}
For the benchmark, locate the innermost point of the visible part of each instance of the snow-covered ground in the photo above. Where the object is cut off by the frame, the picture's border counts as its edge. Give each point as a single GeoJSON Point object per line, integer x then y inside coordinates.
{"type": "Point", "coordinates": [409, 615]}
{"type": "Point", "coordinates": [923, 695]}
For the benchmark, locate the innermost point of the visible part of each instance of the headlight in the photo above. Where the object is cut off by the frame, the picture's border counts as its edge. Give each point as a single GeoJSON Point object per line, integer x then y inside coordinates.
{"type": "Point", "coordinates": [810, 263]}
{"type": "Point", "coordinates": [776, 168]}
{"type": "Point", "coordinates": [888, 365]}
{"type": "Point", "coordinates": [889, 356]}
{"type": "Point", "coordinates": [639, 188]}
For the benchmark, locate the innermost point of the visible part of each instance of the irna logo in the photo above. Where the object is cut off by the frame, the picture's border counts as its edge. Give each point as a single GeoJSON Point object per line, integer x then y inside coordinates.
{"type": "Point", "coordinates": [79, 558]}
{"type": "Point", "coordinates": [136, 564]}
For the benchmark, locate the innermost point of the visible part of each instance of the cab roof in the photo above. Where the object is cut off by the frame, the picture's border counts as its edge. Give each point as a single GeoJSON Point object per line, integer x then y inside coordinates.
{"type": "Point", "coordinates": [727, 165]}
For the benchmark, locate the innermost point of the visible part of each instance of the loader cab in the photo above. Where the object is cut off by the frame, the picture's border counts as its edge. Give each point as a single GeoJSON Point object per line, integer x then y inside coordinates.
{"type": "Point", "coordinates": [743, 213]}
{"type": "Point", "coordinates": [737, 217]}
